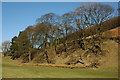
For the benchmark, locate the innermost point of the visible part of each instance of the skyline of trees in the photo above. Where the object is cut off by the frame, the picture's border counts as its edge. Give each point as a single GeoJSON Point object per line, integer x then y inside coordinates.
{"type": "Point", "coordinates": [50, 28]}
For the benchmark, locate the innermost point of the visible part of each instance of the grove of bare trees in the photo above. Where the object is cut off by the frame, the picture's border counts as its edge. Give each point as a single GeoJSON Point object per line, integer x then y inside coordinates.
{"type": "Point", "coordinates": [51, 29]}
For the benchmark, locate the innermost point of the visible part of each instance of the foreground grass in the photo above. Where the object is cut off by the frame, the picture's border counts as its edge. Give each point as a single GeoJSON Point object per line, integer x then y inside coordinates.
{"type": "Point", "coordinates": [11, 69]}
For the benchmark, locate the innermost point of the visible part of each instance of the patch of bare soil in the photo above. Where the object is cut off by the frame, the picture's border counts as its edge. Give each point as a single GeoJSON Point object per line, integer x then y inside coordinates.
{"type": "Point", "coordinates": [51, 65]}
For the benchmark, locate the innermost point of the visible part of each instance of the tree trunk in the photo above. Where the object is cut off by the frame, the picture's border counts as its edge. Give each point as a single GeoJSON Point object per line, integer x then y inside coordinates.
{"type": "Point", "coordinates": [55, 48]}
{"type": "Point", "coordinates": [51, 44]}
{"type": "Point", "coordinates": [29, 56]}
{"type": "Point", "coordinates": [65, 47]}
{"type": "Point", "coordinates": [46, 56]}
{"type": "Point", "coordinates": [46, 41]}
{"type": "Point", "coordinates": [57, 41]}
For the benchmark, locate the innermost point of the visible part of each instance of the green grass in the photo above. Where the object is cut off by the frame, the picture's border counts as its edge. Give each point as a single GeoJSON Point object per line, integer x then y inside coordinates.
{"type": "Point", "coordinates": [11, 69]}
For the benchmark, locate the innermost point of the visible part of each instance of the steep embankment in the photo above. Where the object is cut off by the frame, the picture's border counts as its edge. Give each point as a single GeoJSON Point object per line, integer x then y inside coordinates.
{"type": "Point", "coordinates": [76, 57]}
{"type": "Point", "coordinates": [107, 61]}
{"type": "Point", "coordinates": [92, 52]}
{"type": "Point", "coordinates": [110, 60]}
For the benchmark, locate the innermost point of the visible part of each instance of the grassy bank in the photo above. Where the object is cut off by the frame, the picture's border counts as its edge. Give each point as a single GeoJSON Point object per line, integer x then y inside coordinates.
{"type": "Point", "coordinates": [11, 69]}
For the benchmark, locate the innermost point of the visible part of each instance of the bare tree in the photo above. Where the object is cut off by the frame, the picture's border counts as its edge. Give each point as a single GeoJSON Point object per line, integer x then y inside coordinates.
{"type": "Point", "coordinates": [51, 20]}
{"type": "Point", "coordinates": [31, 39]}
{"type": "Point", "coordinates": [94, 14]}
{"type": "Point", "coordinates": [5, 47]}
{"type": "Point", "coordinates": [66, 26]}
{"type": "Point", "coordinates": [39, 35]}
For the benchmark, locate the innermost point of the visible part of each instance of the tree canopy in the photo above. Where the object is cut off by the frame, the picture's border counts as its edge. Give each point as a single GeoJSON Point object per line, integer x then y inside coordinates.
{"type": "Point", "coordinates": [51, 29]}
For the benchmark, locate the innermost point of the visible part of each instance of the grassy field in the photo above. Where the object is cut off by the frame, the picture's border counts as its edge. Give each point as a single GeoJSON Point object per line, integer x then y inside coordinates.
{"type": "Point", "coordinates": [11, 69]}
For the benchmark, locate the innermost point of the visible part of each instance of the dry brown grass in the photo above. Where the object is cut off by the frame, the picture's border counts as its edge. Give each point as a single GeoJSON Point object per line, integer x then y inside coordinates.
{"type": "Point", "coordinates": [51, 65]}
{"type": "Point", "coordinates": [112, 33]}
{"type": "Point", "coordinates": [110, 61]}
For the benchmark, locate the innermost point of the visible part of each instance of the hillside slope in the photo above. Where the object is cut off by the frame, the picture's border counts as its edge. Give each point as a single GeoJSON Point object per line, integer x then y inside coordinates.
{"type": "Point", "coordinates": [78, 57]}
{"type": "Point", "coordinates": [90, 52]}
{"type": "Point", "coordinates": [112, 33]}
